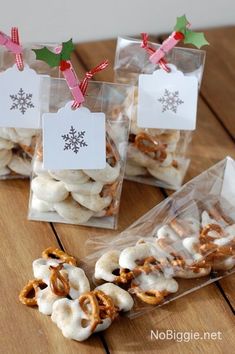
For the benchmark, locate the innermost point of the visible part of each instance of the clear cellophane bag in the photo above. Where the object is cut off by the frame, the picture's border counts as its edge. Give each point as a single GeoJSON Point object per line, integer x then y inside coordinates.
{"type": "Point", "coordinates": [142, 166]}
{"type": "Point", "coordinates": [17, 145]}
{"type": "Point", "coordinates": [182, 244]}
{"type": "Point", "coordinates": [100, 205]}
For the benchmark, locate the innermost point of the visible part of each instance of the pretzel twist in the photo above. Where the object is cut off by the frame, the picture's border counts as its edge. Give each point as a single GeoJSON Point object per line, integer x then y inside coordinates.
{"type": "Point", "coordinates": [106, 305]}
{"type": "Point", "coordinates": [147, 266]}
{"type": "Point", "coordinates": [112, 154]}
{"type": "Point", "coordinates": [39, 151]}
{"type": "Point", "coordinates": [51, 252]}
{"type": "Point", "coordinates": [151, 296]}
{"type": "Point", "coordinates": [32, 285]}
{"type": "Point", "coordinates": [147, 144]}
{"type": "Point", "coordinates": [97, 306]}
{"type": "Point", "coordinates": [209, 249]}
{"type": "Point", "coordinates": [125, 276]}
{"type": "Point", "coordinates": [93, 313]}
{"type": "Point", "coordinates": [179, 261]}
{"type": "Point", "coordinates": [59, 284]}
{"type": "Point", "coordinates": [204, 234]}
{"type": "Point", "coordinates": [112, 191]}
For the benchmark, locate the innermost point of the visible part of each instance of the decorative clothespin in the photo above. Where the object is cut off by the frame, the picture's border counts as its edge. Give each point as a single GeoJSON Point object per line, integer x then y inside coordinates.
{"type": "Point", "coordinates": [181, 32]}
{"type": "Point", "coordinates": [62, 59]}
{"type": "Point", "coordinates": [13, 45]}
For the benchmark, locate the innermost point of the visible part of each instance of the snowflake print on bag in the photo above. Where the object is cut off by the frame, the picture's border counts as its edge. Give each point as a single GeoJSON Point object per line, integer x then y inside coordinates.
{"type": "Point", "coordinates": [22, 101]}
{"type": "Point", "coordinates": [170, 101]}
{"type": "Point", "coordinates": [74, 140]}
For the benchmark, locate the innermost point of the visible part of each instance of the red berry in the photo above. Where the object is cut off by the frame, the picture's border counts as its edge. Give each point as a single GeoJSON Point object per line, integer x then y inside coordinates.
{"type": "Point", "coordinates": [64, 65]}
{"type": "Point", "coordinates": [179, 36]}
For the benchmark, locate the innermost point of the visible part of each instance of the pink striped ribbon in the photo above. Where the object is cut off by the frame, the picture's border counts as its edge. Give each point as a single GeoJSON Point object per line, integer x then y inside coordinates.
{"type": "Point", "coordinates": [77, 89]}
{"type": "Point", "coordinates": [18, 56]}
{"type": "Point", "coordinates": [13, 45]}
{"type": "Point", "coordinates": [158, 56]}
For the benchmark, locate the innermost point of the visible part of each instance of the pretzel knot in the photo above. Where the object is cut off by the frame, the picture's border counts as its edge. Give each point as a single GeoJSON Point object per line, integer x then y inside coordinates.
{"type": "Point", "coordinates": [112, 190]}
{"type": "Point", "coordinates": [147, 265]}
{"type": "Point", "coordinates": [112, 154]}
{"type": "Point", "coordinates": [125, 275]}
{"type": "Point", "coordinates": [147, 144]}
{"type": "Point", "coordinates": [97, 306]}
{"type": "Point", "coordinates": [196, 267]}
{"type": "Point", "coordinates": [39, 151]}
{"type": "Point", "coordinates": [204, 234]}
{"type": "Point", "coordinates": [56, 253]}
{"type": "Point", "coordinates": [178, 261]}
{"type": "Point", "coordinates": [106, 305]}
{"type": "Point", "coordinates": [59, 284]}
{"type": "Point", "coordinates": [27, 295]}
{"type": "Point", "coordinates": [151, 296]}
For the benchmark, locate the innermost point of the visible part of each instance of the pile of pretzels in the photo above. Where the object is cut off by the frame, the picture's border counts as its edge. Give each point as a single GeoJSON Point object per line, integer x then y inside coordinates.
{"type": "Point", "coordinates": [61, 290]}
{"type": "Point", "coordinates": [155, 153]}
{"type": "Point", "coordinates": [145, 273]}
{"type": "Point", "coordinates": [76, 196]}
{"type": "Point", "coordinates": [183, 248]}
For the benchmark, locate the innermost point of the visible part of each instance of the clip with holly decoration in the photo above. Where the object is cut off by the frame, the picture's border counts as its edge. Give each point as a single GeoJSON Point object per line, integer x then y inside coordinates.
{"type": "Point", "coordinates": [62, 59]}
{"type": "Point", "coordinates": [181, 32]}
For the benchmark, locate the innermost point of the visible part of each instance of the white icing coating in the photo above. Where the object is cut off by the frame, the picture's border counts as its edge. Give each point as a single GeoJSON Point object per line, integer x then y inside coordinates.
{"type": "Point", "coordinates": [156, 281]}
{"type": "Point", "coordinates": [121, 298]}
{"type": "Point", "coordinates": [73, 322]}
{"type": "Point", "coordinates": [48, 189]}
{"type": "Point", "coordinates": [166, 232]}
{"type": "Point", "coordinates": [45, 300]}
{"type": "Point", "coordinates": [130, 255]}
{"type": "Point", "coordinates": [106, 264]}
{"type": "Point", "coordinates": [78, 282]}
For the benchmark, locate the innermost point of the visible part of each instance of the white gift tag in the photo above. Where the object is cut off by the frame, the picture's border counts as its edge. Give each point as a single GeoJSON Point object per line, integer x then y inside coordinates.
{"type": "Point", "coordinates": [74, 139]}
{"type": "Point", "coordinates": [20, 98]}
{"type": "Point", "coordinates": [167, 100]}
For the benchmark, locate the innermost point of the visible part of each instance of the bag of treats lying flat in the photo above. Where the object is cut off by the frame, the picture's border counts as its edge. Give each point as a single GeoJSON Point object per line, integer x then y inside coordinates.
{"type": "Point", "coordinates": [167, 81]}
{"type": "Point", "coordinates": [21, 86]}
{"type": "Point", "coordinates": [184, 243]}
{"type": "Point", "coordinates": [78, 167]}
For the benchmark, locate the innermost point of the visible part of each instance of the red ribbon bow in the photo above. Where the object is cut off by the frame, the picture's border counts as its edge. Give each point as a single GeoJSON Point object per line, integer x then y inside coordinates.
{"type": "Point", "coordinates": [84, 84]}
{"type": "Point", "coordinates": [162, 63]}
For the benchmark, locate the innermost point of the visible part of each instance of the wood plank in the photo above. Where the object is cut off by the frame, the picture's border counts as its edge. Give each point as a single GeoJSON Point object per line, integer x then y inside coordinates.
{"type": "Point", "coordinates": [187, 315]}
{"type": "Point", "coordinates": [218, 87]}
{"type": "Point", "coordinates": [92, 53]}
{"type": "Point", "coordinates": [78, 66]}
{"type": "Point", "coordinates": [22, 241]}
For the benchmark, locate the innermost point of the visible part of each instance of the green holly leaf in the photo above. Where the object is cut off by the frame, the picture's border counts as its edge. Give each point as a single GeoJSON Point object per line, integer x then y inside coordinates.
{"type": "Point", "coordinates": [46, 55]}
{"type": "Point", "coordinates": [181, 24]}
{"type": "Point", "coordinates": [67, 49]}
{"type": "Point", "coordinates": [196, 38]}
{"type": "Point", "coordinates": [54, 59]}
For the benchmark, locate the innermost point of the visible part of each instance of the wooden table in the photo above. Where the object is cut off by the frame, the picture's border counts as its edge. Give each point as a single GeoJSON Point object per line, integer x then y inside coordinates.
{"type": "Point", "coordinates": [211, 309]}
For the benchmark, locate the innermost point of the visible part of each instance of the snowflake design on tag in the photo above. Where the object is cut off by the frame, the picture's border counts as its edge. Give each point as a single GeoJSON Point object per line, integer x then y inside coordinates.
{"type": "Point", "coordinates": [22, 101]}
{"type": "Point", "coordinates": [170, 101]}
{"type": "Point", "coordinates": [74, 140]}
